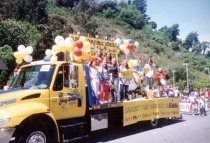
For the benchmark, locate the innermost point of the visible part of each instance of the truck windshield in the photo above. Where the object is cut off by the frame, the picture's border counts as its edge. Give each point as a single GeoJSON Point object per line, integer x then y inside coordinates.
{"type": "Point", "coordinates": [34, 77]}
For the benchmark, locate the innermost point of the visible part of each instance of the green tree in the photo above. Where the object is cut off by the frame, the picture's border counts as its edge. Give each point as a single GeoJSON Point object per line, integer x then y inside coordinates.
{"type": "Point", "coordinates": [108, 9]}
{"type": "Point", "coordinates": [87, 23]}
{"type": "Point", "coordinates": [14, 33]}
{"type": "Point", "coordinates": [34, 11]}
{"type": "Point", "coordinates": [153, 24]}
{"type": "Point", "coordinates": [191, 40]}
{"type": "Point", "coordinates": [67, 3]}
{"type": "Point", "coordinates": [132, 16]}
{"type": "Point", "coordinates": [170, 33]}
{"type": "Point", "coordinates": [204, 47]}
{"type": "Point", "coordinates": [6, 55]}
{"type": "Point", "coordinates": [86, 6]}
{"type": "Point", "coordinates": [141, 5]}
{"type": "Point", "coordinates": [174, 32]}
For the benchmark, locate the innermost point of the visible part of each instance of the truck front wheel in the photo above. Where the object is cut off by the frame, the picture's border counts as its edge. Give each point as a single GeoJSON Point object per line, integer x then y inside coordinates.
{"type": "Point", "coordinates": [154, 123]}
{"type": "Point", "coordinates": [36, 130]}
{"type": "Point", "coordinates": [36, 137]}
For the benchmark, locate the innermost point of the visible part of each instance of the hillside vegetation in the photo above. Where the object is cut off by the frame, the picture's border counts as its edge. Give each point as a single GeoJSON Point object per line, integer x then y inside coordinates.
{"type": "Point", "coordinates": [38, 22]}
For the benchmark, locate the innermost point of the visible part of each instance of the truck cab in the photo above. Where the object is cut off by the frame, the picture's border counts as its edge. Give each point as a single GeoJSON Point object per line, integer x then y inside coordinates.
{"type": "Point", "coordinates": [42, 94]}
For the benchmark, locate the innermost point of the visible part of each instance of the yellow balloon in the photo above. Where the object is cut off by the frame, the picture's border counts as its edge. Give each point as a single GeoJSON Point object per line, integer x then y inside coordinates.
{"type": "Point", "coordinates": [16, 54]}
{"type": "Point", "coordinates": [86, 49]}
{"type": "Point", "coordinates": [136, 44]}
{"type": "Point", "coordinates": [24, 54]}
{"type": "Point", "coordinates": [86, 44]}
{"type": "Point", "coordinates": [122, 47]}
{"type": "Point", "coordinates": [135, 62]}
{"type": "Point", "coordinates": [82, 38]}
{"type": "Point", "coordinates": [48, 53]}
{"type": "Point", "coordinates": [126, 42]}
{"type": "Point", "coordinates": [55, 48]}
{"type": "Point", "coordinates": [77, 58]}
{"type": "Point", "coordinates": [70, 48]}
{"type": "Point", "coordinates": [19, 61]}
{"type": "Point", "coordinates": [117, 41]}
{"type": "Point", "coordinates": [130, 63]}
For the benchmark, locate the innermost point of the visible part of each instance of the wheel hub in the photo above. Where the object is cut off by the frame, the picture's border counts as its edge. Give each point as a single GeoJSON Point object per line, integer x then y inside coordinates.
{"type": "Point", "coordinates": [37, 137]}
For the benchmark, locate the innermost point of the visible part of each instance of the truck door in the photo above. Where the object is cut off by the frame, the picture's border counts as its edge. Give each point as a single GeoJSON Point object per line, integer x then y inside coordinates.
{"type": "Point", "coordinates": [66, 100]}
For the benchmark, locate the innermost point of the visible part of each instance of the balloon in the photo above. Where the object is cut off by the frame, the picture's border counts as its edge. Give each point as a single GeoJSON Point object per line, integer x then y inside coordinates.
{"type": "Point", "coordinates": [16, 54]}
{"type": "Point", "coordinates": [117, 41]}
{"type": "Point", "coordinates": [130, 40]}
{"type": "Point", "coordinates": [122, 47]}
{"type": "Point", "coordinates": [77, 58]}
{"type": "Point", "coordinates": [130, 46]}
{"type": "Point", "coordinates": [86, 44]}
{"type": "Point", "coordinates": [86, 49]}
{"type": "Point", "coordinates": [48, 53]}
{"type": "Point", "coordinates": [29, 50]}
{"type": "Point", "coordinates": [28, 59]}
{"type": "Point", "coordinates": [82, 38]}
{"type": "Point", "coordinates": [126, 51]}
{"type": "Point", "coordinates": [59, 40]}
{"type": "Point", "coordinates": [56, 48]}
{"type": "Point", "coordinates": [21, 48]}
{"type": "Point", "coordinates": [126, 42]}
{"type": "Point", "coordinates": [24, 54]}
{"type": "Point", "coordinates": [53, 58]}
{"type": "Point", "coordinates": [136, 44]}
{"type": "Point", "coordinates": [19, 61]}
{"type": "Point", "coordinates": [135, 63]}
{"type": "Point", "coordinates": [77, 52]}
{"type": "Point", "coordinates": [46, 58]}
{"type": "Point", "coordinates": [79, 44]}
{"type": "Point", "coordinates": [68, 41]}
{"type": "Point", "coordinates": [130, 64]}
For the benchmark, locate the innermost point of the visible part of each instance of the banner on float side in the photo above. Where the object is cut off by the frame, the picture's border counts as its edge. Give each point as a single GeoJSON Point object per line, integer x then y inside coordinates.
{"type": "Point", "coordinates": [101, 44]}
{"type": "Point", "coordinates": [149, 109]}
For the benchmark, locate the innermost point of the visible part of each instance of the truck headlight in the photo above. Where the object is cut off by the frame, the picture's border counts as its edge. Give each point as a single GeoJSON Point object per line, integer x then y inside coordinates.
{"type": "Point", "coordinates": [4, 121]}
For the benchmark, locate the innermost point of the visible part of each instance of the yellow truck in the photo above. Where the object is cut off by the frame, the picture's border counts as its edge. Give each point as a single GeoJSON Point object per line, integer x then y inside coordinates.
{"type": "Point", "coordinates": [50, 102]}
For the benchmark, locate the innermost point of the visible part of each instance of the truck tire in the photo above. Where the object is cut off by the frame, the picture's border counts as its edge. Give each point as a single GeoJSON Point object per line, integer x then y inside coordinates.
{"type": "Point", "coordinates": [37, 131]}
{"type": "Point", "coordinates": [35, 135]}
{"type": "Point", "coordinates": [154, 123]}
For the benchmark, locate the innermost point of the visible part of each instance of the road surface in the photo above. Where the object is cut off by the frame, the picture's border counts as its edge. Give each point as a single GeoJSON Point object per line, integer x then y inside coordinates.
{"type": "Point", "coordinates": [192, 129]}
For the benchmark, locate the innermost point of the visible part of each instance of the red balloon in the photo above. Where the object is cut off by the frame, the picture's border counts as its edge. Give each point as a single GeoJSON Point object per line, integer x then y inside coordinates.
{"type": "Point", "coordinates": [79, 44]}
{"type": "Point", "coordinates": [130, 47]}
{"type": "Point", "coordinates": [77, 52]}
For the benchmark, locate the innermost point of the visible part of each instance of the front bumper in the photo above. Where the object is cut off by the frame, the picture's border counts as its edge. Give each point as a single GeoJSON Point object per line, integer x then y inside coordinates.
{"type": "Point", "coordinates": [6, 134]}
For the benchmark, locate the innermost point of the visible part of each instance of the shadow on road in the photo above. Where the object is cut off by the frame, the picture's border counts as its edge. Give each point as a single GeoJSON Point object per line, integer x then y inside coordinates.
{"type": "Point", "coordinates": [108, 135]}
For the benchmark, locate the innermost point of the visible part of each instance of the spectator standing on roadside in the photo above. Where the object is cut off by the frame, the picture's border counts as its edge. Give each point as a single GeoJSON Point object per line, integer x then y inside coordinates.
{"type": "Point", "coordinates": [202, 106]}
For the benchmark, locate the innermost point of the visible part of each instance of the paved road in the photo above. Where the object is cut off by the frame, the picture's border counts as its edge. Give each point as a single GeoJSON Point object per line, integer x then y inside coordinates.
{"type": "Point", "coordinates": [192, 129]}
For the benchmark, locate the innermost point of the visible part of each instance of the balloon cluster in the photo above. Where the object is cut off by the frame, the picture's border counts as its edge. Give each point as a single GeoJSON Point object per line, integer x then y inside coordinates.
{"type": "Point", "coordinates": [132, 63]}
{"type": "Point", "coordinates": [78, 50]}
{"type": "Point", "coordinates": [82, 49]}
{"type": "Point", "coordinates": [126, 45]}
{"type": "Point", "coordinates": [23, 53]}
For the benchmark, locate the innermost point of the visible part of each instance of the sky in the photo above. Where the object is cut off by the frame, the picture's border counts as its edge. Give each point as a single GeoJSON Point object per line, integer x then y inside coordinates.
{"type": "Point", "coordinates": [191, 15]}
